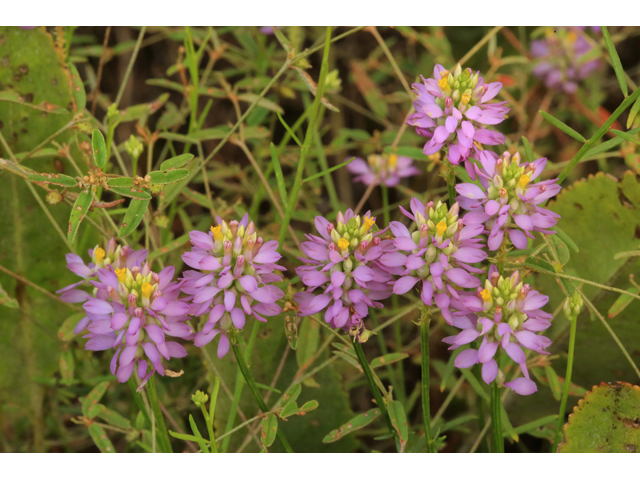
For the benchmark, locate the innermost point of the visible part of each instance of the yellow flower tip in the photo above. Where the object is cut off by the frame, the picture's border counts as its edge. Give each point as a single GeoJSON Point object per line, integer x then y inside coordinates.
{"type": "Point", "coordinates": [343, 243]}
{"type": "Point", "coordinates": [503, 193]}
{"type": "Point", "coordinates": [393, 160]}
{"type": "Point", "coordinates": [486, 295]}
{"type": "Point", "coordinates": [465, 99]}
{"type": "Point", "coordinates": [368, 223]}
{"type": "Point", "coordinates": [443, 84]}
{"type": "Point", "coordinates": [121, 273]}
{"type": "Point", "coordinates": [444, 73]}
{"type": "Point", "coordinates": [524, 181]}
{"type": "Point", "coordinates": [572, 37]}
{"type": "Point", "coordinates": [217, 233]}
{"type": "Point", "coordinates": [441, 227]}
{"type": "Point", "coordinates": [99, 253]}
{"type": "Point", "coordinates": [147, 288]}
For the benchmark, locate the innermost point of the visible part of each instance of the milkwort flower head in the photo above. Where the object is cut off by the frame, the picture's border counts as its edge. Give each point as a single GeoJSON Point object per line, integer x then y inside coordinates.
{"type": "Point", "coordinates": [343, 272]}
{"type": "Point", "coordinates": [508, 199]}
{"type": "Point", "coordinates": [436, 257]}
{"type": "Point", "coordinates": [131, 308]}
{"type": "Point", "coordinates": [508, 316]}
{"type": "Point", "coordinates": [385, 168]}
{"type": "Point", "coordinates": [452, 110]}
{"type": "Point", "coordinates": [234, 270]}
{"type": "Point", "coordinates": [563, 57]}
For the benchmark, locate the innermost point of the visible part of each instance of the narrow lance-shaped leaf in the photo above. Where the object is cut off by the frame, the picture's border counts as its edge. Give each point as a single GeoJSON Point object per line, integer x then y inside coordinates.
{"type": "Point", "coordinates": [176, 162]}
{"type": "Point", "coordinates": [99, 437]}
{"type": "Point", "coordinates": [626, 136]}
{"type": "Point", "coordinates": [566, 238]}
{"type": "Point", "coordinates": [113, 418]}
{"type": "Point", "coordinates": [356, 423]}
{"type": "Point", "coordinates": [99, 148]}
{"type": "Point", "coordinates": [77, 89]}
{"type": "Point", "coordinates": [131, 192]}
{"type": "Point", "coordinates": [170, 176]}
{"type": "Point", "coordinates": [621, 303]}
{"type": "Point", "coordinates": [279, 177]}
{"type": "Point", "coordinates": [67, 367]}
{"type": "Point", "coordinates": [615, 60]}
{"type": "Point", "coordinates": [538, 264]}
{"type": "Point", "coordinates": [133, 217]}
{"type": "Point", "coordinates": [562, 126]}
{"type": "Point", "coordinates": [399, 422]}
{"type": "Point", "coordinates": [633, 113]}
{"type": "Point", "coordinates": [329, 170]}
{"type": "Point", "coordinates": [388, 359]}
{"type": "Point", "coordinates": [196, 432]}
{"type": "Point", "coordinates": [90, 406]}
{"type": "Point", "coordinates": [78, 212]}
{"type": "Point", "coordinates": [269, 429]}
{"type": "Point", "coordinates": [53, 179]}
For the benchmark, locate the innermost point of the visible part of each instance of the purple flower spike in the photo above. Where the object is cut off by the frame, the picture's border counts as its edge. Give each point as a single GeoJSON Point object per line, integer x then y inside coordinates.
{"type": "Point", "coordinates": [509, 317]}
{"type": "Point", "coordinates": [133, 310]}
{"type": "Point", "coordinates": [452, 111]}
{"type": "Point", "coordinates": [387, 169]}
{"type": "Point", "coordinates": [436, 257]}
{"type": "Point", "coordinates": [507, 203]}
{"type": "Point", "coordinates": [233, 270]}
{"type": "Point", "coordinates": [563, 58]}
{"type": "Point", "coordinates": [344, 265]}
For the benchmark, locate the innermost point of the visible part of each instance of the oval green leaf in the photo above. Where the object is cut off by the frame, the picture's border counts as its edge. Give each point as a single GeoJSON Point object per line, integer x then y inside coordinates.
{"type": "Point", "coordinates": [53, 179]}
{"type": "Point", "coordinates": [120, 182]}
{"type": "Point", "coordinates": [99, 149]}
{"type": "Point", "coordinates": [176, 162]}
{"type": "Point", "coordinates": [133, 217]}
{"type": "Point", "coordinates": [172, 176]}
{"type": "Point", "coordinates": [90, 406]}
{"type": "Point", "coordinates": [99, 437]}
{"type": "Point", "coordinates": [79, 210]}
{"type": "Point", "coordinates": [399, 422]}
{"type": "Point", "coordinates": [131, 192]}
{"type": "Point", "coordinates": [269, 429]}
{"type": "Point", "coordinates": [356, 423]}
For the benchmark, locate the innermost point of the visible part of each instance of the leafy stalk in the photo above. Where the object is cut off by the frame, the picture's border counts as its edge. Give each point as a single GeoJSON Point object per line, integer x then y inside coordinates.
{"type": "Point", "coordinates": [497, 440]}
{"type": "Point", "coordinates": [567, 382]}
{"type": "Point", "coordinates": [426, 409]}
{"type": "Point", "coordinates": [244, 368]}
{"type": "Point", "coordinates": [161, 429]}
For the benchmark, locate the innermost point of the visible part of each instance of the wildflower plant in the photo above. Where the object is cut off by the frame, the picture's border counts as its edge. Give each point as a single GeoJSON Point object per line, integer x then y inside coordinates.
{"type": "Point", "coordinates": [233, 276]}
{"type": "Point", "coordinates": [343, 272]}
{"type": "Point", "coordinates": [388, 169]}
{"type": "Point", "coordinates": [453, 110]}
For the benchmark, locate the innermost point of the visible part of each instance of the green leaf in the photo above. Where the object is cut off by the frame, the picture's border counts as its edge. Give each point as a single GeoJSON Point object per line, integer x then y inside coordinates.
{"type": "Point", "coordinates": [77, 88]}
{"type": "Point", "coordinates": [113, 418]}
{"type": "Point", "coordinates": [621, 303]}
{"type": "Point", "coordinates": [615, 60]}
{"type": "Point", "coordinates": [184, 436]}
{"type": "Point", "coordinates": [356, 423]}
{"type": "Point", "coordinates": [78, 212]}
{"type": "Point", "coordinates": [561, 248]}
{"type": "Point", "coordinates": [632, 253]}
{"type": "Point", "coordinates": [562, 126]}
{"type": "Point", "coordinates": [399, 422]}
{"type": "Point", "coordinates": [308, 340]}
{"type": "Point", "coordinates": [269, 429]}
{"type": "Point", "coordinates": [448, 372]}
{"type": "Point", "coordinates": [262, 102]}
{"type": "Point", "coordinates": [90, 406]}
{"type": "Point", "coordinates": [625, 135]}
{"type": "Point", "coordinates": [554, 383]}
{"type": "Point", "coordinates": [176, 162]}
{"type": "Point", "coordinates": [133, 217]}
{"type": "Point", "coordinates": [278, 171]}
{"type": "Point", "coordinates": [538, 264]}
{"type": "Point", "coordinates": [388, 359]}
{"type": "Point", "coordinates": [528, 152]}
{"type": "Point", "coordinates": [288, 129]}
{"type": "Point", "coordinates": [290, 409]}
{"type": "Point", "coordinates": [6, 300]}
{"type": "Point", "coordinates": [309, 406]}
{"type": "Point", "coordinates": [67, 367]}
{"type": "Point", "coordinates": [99, 148]}
{"type": "Point", "coordinates": [529, 427]}
{"type": "Point", "coordinates": [170, 176]}
{"type": "Point", "coordinates": [53, 179]}
{"type": "Point", "coordinates": [196, 432]}
{"type": "Point", "coordinates": [329, 170]}
{"type": "Point", "coordinates": [604, 421]}
{"type": "Point", "coordinates": [610, 144]}
{"type": "Point", "coordinates": [99, 437]}
{"type": "Point", "coordinates": [290, 395]}
{"type": "Point", "coordinates": [562, 235]}
{"type": "Point", "coordinates": [633, 113]}
{"type": "Point", "coordinates": [473, 381]}
{"type": "Point", "coordinates": [131, 192]}
{"type": "Point", "coordinates": [122, 182]}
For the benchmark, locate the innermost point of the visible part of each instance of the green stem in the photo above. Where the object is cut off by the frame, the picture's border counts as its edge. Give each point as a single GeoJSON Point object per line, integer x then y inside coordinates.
{"type": "Point", "coordinates": [313, 118]}
{"type": "Point", "coordinates": [497, 441]}
{"type": "Point", "coordinates": [362, 359]}
{"type": "Point", "coordinates": [161, 429]}
{"type": "Point", "coordinates": [426, 409]}
{"type": "Point", "coordinates": [567, 384]}
{"type": "Point", "coordinates": [256, 393]}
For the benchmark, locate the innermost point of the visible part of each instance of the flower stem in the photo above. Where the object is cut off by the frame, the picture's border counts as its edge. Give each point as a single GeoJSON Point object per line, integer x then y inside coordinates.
{"type": "Point", "coordinates": [244, 368]}
{"type": "Point", "coordinates": [497, 440]}
{"type": "Point", "coordinates": [426, 410]}
{"type": "Point", "coordinates": [567, 384]}
{"type": "Point", "coordinates": [161, 429]}
{"type": "Point", "coordinates": [362, 359]}
{"type": "Point", "coordinates": [451, 182]}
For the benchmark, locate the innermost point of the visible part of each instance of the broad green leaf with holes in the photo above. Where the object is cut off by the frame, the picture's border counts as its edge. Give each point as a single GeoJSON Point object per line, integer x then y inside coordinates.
{"type": "Point", "coordinates": [606, 420]}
